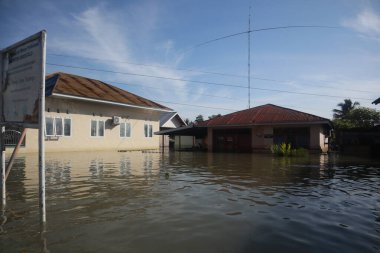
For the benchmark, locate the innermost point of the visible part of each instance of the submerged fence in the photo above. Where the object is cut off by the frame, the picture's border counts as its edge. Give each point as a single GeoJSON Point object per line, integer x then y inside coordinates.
{"type": "Point", "coordinates": [12, 136]}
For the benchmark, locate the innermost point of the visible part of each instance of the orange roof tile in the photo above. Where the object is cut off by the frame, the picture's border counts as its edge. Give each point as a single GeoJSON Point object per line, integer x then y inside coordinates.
{"type": "Point", "coordinates": [73, 85]}
{"type": "Point", "coordinates": [264, 115]}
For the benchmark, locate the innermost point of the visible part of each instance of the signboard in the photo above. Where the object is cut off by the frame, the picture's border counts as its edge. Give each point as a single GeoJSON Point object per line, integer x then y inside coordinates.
{"type": "Point", "coordinates": [22, 98]}
{"type": "Point", "coordinates": [22, 81]}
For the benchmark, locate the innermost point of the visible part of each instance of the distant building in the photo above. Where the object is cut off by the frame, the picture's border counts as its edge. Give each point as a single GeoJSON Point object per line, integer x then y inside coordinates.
{"type": "Point", "coordinates": [169, 120]}
{"type": "Point", "coordinates": [257, 129]}
{"type": "Point", "coordinates": [84, 114]}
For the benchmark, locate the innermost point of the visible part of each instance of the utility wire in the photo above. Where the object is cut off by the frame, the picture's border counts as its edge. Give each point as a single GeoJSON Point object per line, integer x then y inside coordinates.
{"type": "Point", "coordinates": [151, 87]}
{"type": "Point", "coordinates": [201, 106]}
{"type": "Point", "coordinates": [203, 82]}
{"type": "Point", "coordinates": [150, 65]}
{"type": "Point", "coordinates": [235, 99]}
{"type": "Point", "coordinates": [213, 73]}
{"type": "Point", "coordinates": [261, 30]}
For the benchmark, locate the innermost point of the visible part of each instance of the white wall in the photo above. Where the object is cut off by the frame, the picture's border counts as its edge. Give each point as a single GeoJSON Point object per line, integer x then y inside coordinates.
{"type": "Point", "coordinates": [183, 142]}
{"type": "Point", "coordinates": [81, 113]}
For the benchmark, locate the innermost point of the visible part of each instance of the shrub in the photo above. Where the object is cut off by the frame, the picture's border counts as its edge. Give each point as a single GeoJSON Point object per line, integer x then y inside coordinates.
{"type": "Point", "coordinates": [285, 149]}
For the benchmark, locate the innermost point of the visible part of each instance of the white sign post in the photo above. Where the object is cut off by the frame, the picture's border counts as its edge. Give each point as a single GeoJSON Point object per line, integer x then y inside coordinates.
{"type": "Point", "coordinates": [22, 90]}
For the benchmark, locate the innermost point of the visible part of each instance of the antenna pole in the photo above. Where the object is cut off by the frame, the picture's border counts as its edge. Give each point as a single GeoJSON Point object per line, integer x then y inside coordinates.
{"type": "Point", "coordinates": [249, 58]}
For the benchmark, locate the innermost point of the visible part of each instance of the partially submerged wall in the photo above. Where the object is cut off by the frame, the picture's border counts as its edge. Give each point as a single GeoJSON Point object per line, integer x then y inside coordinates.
{"type": "Point", "coordinates": [81, 114]}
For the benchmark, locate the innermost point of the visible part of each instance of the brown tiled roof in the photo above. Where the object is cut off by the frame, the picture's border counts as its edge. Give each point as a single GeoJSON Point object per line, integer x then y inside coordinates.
{"type": "Point", "coordinates": [79, 86]}
{"type": "Point", "coordinates": [264, 115]}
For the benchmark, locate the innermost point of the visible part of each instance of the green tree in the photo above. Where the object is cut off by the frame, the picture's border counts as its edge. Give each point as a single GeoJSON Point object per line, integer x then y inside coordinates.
{"type": "Point", "coordinates": [199, 118]}
{"type": "Point", "coordinates": [345, 108]}
{"type": "Point", "coordinates": [214, 116]}
{"type": "Point", "coordinates": [361, 117]}
{"type": "Point", "coordinates": [188, 122]}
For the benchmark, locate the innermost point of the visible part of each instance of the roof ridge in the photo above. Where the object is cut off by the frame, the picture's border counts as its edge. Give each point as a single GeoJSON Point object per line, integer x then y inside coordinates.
{"type": "Point", "coordinates": [124, 94]}
{"type": "Point", "coordinates": [264, 114]}
{"type": "Point", "coordinates": [238, 111]}
{"type": "Point", "coordinates": [298, 111]}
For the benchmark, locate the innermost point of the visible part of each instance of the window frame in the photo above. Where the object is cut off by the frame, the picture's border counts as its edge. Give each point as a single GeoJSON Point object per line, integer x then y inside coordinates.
{"type": "Point", "coordinates": [148, 130]}
{"type": "Point", "coordinates": [54, 126]}
{"type": "Point", "coordinates": [70, 129]}
{"type": "Point", "coordinates": [97, 129]}
{"type": "Point", "coordinates": [104, 128]}
{"type": "Point", "coordinates": [125, 123]}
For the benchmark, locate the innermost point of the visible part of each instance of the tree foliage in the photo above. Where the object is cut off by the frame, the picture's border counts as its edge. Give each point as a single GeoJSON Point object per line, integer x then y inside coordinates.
{"type": "Point", "coordinates": [361, 117]}
{"type": "Point", "coordinates": [188, 122]}
{"type": "Point", "coordinates": [214, 116]}
{"type": "Point", "coordinates": [345, 109]}
{"type": "Point", "coordinates": [199, 118]}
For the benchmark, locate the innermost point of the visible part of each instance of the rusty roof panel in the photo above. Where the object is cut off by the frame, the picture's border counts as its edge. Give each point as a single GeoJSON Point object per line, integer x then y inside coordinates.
{"type": "Point", "coordinates": [265, 114]}
{"type": "Point", "coordinates": [79, 86]}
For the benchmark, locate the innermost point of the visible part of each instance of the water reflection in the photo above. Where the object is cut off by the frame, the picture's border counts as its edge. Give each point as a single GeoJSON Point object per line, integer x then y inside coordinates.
{"type": "Point", "coordinates": [43, 240]}
{"type": "Point", "coordinates": [3, 219]}
{"type": "Point", "coordinates": [17, 177]}
{"type": "Point", "coordinates": [125, 166]}
{"type": "Point", "coordinates": [187, 202]}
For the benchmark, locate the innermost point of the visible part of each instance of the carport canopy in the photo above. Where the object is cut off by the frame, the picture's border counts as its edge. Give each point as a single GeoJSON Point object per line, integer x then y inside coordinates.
{"type": "Point", "coordinates": [197, 131]}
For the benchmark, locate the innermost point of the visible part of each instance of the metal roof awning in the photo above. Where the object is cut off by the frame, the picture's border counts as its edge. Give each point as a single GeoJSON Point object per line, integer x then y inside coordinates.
{"type": "Point", "coordinates": [197, 131]}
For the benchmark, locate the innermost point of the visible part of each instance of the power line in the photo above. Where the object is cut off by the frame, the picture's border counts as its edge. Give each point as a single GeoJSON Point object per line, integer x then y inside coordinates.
{"type": "Point", "coordinates": [150, 65]}
{"type": "Point", "coordinates": [211, 72]}
{"type": "Point", "coordinates": [203, 82]}
{"type": "Point", "coordinates": [201, 106]}
{"type": "Point", "coordinates": [151, 87]}
{"type": "Point", "coordinates": [249, 43]}
{"type": "Point", "coordinates": [219, 108]}
{"type": "Point", "coordinates": [261, 30]}
{"type": "Point", "coordinates": [213, 40]}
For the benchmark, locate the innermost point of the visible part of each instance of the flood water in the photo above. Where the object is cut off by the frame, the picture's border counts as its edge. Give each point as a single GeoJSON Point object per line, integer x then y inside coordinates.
{"type": "Point", "coordinates": [193, 202]}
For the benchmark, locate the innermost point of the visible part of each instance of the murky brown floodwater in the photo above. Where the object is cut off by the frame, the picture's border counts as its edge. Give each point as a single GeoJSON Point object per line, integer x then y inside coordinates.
{"type": "Point", "coordinates": [194, 202]}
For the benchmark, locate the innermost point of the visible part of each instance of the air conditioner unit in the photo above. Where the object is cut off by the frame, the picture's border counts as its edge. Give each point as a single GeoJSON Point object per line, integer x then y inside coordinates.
{"type": "Point", "coordinates": [116, 120]}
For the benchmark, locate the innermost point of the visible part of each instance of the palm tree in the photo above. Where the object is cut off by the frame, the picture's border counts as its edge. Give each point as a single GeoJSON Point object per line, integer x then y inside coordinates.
{"type": "Point", "coordinates": [345, 108]}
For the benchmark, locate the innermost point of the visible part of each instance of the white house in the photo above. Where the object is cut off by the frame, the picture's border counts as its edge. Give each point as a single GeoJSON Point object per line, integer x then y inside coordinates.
{"type": "Point", "coordinates": [87, 114]}
{"type": "Point", "coordinates": [169, 120]}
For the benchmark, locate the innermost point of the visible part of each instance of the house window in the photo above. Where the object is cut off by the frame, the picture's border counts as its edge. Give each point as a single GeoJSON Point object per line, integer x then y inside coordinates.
{"type": "Point", "coordinates": [57, 126]}
{"type": "Point", "coordinates": [125, 129]}
{"type": "Point", "coordinates": [67, 127]}
{"type": "Point", "coordinates": [49, 129]}
{"type": "Point", "coordinates": [97, 128]}
{"type": "Point", "coordinates": [148, 130]}
{"type": "Point", "coordinates": [94, 124]}
{"type": "Point", "coordinates": [100, 128]}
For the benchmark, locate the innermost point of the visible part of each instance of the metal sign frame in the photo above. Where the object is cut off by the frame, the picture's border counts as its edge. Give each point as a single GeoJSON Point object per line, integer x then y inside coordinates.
{"type": "Point", "coordinates": [38, 106]}
{"type": "Point", "coordinates": [20, 67]}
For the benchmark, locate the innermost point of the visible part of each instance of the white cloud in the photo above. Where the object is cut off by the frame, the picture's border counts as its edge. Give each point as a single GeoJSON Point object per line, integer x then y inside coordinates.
{"type": "Point", "coordinates": [104, 34]}
{"type": "Point", "coordinates": [366, 22]}
{"type": "Point", "coordinates": [98, 32]}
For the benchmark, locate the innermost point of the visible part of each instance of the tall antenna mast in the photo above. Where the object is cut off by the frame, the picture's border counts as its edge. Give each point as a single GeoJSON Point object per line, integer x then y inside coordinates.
{"type": "Point", "coordinates": [249, 58]}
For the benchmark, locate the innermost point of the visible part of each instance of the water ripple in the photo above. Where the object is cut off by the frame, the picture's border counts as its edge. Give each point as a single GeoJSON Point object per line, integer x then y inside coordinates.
{"type": "Point", "coordinates": [194, 202]}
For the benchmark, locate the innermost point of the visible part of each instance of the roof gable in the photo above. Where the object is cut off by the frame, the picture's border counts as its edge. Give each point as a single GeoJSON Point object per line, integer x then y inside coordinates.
{"type": "Point", "coordinates": [171, 120]}
{"type": "Point", "coordinates": [78, 86]}
{"type": "Point", "coordinates": [264, 115]}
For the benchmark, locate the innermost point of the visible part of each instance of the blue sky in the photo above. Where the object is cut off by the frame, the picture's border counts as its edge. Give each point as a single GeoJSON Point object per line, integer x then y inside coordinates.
{"type": "Point", "coordinates": [157, 38]}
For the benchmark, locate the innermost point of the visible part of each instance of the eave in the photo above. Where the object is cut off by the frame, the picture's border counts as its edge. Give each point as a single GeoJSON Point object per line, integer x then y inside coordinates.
{"type": "Point", "coordinates": [59, 95]}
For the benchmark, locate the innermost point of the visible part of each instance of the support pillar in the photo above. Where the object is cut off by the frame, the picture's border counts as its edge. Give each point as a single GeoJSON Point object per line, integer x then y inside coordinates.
{"type": "Point", "coordinates": [210, 139]}
{"type": "Point", "coordinates": [3, 182]}
{"type": "Point", "coordinates": [41, 135]}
